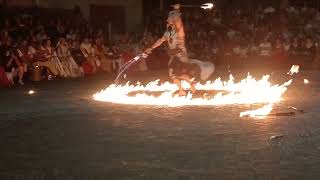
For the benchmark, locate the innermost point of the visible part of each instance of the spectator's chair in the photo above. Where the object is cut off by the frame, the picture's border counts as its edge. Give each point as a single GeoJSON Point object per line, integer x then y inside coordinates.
{"type": "Point", "coordinates": [36, 73]}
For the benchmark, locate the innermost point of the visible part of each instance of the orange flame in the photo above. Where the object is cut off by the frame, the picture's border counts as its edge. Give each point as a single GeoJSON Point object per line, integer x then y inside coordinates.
{"type": "Point", "coordinates": [247, 91]}
{"type": "Point", "coordinates": [265, 110]}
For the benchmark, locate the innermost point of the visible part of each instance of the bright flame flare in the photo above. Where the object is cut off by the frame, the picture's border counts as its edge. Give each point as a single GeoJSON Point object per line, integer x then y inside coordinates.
{"type": "Point", "coordinates": [31, 92]}
{"type": "Point", "coordinates": [306, 81]}
{"type": "Point", "coordinates": [294, 69]}
{"type": "Point", "coordinates": [264, 111]}
{"type": "Point", "coordinates": [207, 6]}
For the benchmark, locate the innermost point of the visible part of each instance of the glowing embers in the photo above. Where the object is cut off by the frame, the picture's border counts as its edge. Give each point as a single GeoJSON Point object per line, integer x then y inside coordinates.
{"type": "Point", "coordinates": [31, 92]}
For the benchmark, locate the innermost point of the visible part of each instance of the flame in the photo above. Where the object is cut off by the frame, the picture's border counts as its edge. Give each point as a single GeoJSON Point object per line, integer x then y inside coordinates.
{"type": "Point", "coordinates": [246, 91]}
{"type": "Point", "coordinates": [294, 69]}
{"type": "Point", "coordinates": [306, 81]}
{"type": "Point", "coordinates": [30, 92]}
{"type": "Point", "coordinates": [265, 110]}
{"type": "Point", "coordinates": [207, 6]}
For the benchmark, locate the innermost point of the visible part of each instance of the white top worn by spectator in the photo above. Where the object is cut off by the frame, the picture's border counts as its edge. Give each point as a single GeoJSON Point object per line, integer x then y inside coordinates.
{"type": "Point", "coordinates": [265, 49]}
{"type": "Point", "coordinates": [231, 34]}
{"type": "Point", "coordinates": [86, 49]}
{"type": "Point", "coordinates": [217, 20]}
{"type": "Point", "coordinates": [236, 50]}
{"type": "Point", "coordinates": [41, 36]}
{"type": "Point", "coordinates": [31, 51]}
{"type": "Point", "coordinates": [240, 51]}
{"type": "Point", "coordinates": [286, 46]}
{"type": "Point", "coordinates": [269, 9]}
{"type": "Point", "coordinates": [71, 36]}
{"type": "Point", "coordinates": [286, 35]}
{"type": "Point", "coordinates": [215, 50]}
{"type": "Point", "coordinates": [291, 9]}
{"type": "Point", "coordinates": [243, 51]}
{"type": "Point", "coordinates": [254, 50]}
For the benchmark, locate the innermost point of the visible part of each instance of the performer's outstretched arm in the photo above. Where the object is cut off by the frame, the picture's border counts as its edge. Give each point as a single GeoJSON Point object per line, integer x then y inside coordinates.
{"type": "Point", "coordinates": [155, 45]}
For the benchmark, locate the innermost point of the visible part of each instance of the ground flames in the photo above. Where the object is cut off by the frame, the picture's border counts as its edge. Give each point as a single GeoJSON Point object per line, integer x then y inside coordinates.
{"type": "Point", "coordinates": [212, 93]}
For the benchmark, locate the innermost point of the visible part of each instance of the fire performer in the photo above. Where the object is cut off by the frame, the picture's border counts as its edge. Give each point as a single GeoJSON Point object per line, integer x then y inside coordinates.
{"type": "Point", "coordinates": [180, 66]}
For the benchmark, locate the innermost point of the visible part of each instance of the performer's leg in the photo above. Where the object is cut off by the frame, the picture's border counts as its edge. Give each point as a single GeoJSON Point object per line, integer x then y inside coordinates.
{"type": "Point", "coordinates": [182, 92]}
{"type": "Point", "coordinates": [189, 81]}
{"type": "Point", "coordinates": [176, 81]}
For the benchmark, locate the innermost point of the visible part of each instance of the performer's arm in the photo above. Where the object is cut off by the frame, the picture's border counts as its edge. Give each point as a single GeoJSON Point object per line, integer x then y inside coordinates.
{"type": "Point", "coordinates": [155, 45]}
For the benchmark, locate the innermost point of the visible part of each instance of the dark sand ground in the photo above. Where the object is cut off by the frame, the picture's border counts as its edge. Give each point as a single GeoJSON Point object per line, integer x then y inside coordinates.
{"type": "Point", "coordinates": [61, 133]}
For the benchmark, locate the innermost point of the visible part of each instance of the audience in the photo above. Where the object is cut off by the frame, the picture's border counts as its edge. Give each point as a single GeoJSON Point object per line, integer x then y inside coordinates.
{"type": "Point", "coordinates": [232, 37]}
{"type": "Point", "coordinates": [68, 64]}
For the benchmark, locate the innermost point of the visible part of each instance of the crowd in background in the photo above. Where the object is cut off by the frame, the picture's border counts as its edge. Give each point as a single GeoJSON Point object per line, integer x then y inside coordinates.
{"type": "Point", "coordinates": [31, 46]}
{"type": "Point", "coordinates": [37, 48]}
{"type": "Point", "coordinates": [265, 36]}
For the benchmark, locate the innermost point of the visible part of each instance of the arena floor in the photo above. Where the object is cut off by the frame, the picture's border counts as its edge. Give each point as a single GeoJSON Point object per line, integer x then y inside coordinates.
{"type": "Point", "coordinates": [61, 133]}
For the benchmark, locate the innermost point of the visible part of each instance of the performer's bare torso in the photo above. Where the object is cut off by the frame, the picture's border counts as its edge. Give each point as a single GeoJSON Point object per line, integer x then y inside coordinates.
{"type": "Point", "coordinates": [176, 43]}
{"type": "Point", "coordinates": [176, 40]}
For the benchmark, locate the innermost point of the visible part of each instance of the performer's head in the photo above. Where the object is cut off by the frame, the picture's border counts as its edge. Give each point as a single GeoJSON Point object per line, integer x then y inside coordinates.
{"type": "Point", "coordinates": [174, 17]}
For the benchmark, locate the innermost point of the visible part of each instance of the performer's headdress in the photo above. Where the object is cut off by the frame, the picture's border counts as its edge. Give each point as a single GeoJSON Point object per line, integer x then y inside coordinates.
{"type": "Point", "coordinates": [175, 12]}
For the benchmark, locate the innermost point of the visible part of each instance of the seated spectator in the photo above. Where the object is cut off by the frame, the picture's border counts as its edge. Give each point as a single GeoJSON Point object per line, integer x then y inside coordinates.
{"type": "Point", "coordinates": [114, 54]}
{"type": "Point", "coordinates": [69, 66]}
{"type": "Point", "coordinates": [309, 51]}
{"type": "Point", "coordinates": [42, 58]}
{"type": "Point", "coordinates": [11, 63]}
{"type": "Point", "coordinates": [265, 52]}
{"type": "Point", "coordinates": [215, 52]}
{"type": "Point", "coordinates": [100, 52]}
{"type": "Point", "coordinates": [278, 53]}
{"type": "Point", "coordinates": [71, 35]}
{"type": "Point", "coordinates": [24, 54]}
{"type": "Point", "coordinates": [243, 53]}
{"type": "Point", "coordinates": [14, 67]}
{"type": "Point", "coordinates": [52, 57]}
{"type": "Point", "coordinates": [265, 48]}
{"type": "Point", "coordinates": [88, 53]}
{"type": "Point", "coordinates": [130, 53]}
{"type": "Point", "coordinates": [236, 55]}
{"type": "Point", "coordinates": [74, 48]}
{"type": "Point", "coordinates": [317, 59]}
{"type": "Point", "coordinates": [4, 82]}
{"type": "Point", "coordinates": [295, 51]}
{"type": "Point", "coordinates": [42, 35]}
{"type": "Point", "coordinates": [253, 51]}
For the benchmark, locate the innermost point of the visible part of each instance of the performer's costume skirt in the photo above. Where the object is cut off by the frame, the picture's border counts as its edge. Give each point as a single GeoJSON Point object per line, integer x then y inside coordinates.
{"type": "Point", "coordinates": [180, 65]}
